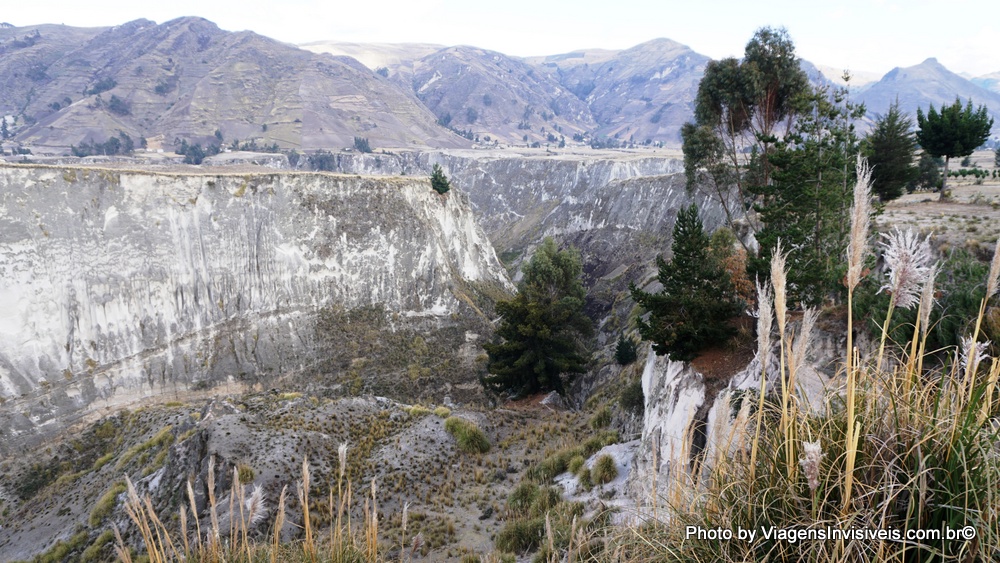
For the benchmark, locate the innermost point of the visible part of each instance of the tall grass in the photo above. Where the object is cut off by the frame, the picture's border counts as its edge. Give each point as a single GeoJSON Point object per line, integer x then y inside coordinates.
{"type": "Point", "coordinates": [241, 539]}
{"type": "Point", "coordinates": [901, 448]}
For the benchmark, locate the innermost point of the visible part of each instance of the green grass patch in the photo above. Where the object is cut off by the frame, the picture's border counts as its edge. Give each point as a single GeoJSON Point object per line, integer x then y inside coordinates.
{"type": "Point", "coordinates": [105, 504]}
{"type": "Point", "coordinates": [469, 436]}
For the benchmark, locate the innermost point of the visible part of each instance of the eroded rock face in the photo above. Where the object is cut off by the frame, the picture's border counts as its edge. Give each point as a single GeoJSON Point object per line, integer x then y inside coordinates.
{"type": "Point", "coordinates": [688, 427]}
{"type": "Point", "coordinates": [121, 285]}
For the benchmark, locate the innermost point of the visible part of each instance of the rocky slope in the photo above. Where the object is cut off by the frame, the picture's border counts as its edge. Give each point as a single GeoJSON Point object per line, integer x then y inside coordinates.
{"type": "Point", "coordinates": [124, 285]}
{"type": "Point", "coordinates": [186, 79]}
{"type": "Point", "coordinates": [645, 92]}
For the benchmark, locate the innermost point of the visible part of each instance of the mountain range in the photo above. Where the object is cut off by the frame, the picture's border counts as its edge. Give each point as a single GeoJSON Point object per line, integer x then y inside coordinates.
{"type": "Point", "coordinates": [186, 79]}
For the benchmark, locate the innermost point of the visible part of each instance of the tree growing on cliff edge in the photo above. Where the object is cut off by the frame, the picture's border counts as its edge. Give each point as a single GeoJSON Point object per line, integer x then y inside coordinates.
{"type": "Point", "coordinates": [953, 132]}
{"type": "Point", "coordinates": [692, 310]}
{"type": "Point", "coordinates": [543, 333]}
{"type": "Point", "coordinates": [439, 182]}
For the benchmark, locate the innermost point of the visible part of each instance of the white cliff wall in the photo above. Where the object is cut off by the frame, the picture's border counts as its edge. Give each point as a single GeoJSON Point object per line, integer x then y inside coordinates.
{"type": "Point", "coordinates": [117, 285]}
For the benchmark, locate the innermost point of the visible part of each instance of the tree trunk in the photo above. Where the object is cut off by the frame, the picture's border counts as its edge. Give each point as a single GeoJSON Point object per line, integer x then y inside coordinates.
{"type": "Point", "coordinates": [944, 180]}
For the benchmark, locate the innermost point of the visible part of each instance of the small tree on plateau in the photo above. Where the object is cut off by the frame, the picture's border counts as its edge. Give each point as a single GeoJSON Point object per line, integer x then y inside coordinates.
{"type": "Point", "coordinates": [697, 299]}
{"type": "Point", "coordinates": [543, 333]}
{"type": "Point", "coordinates": [439, 181]}
{"type": "Point", "coordinates": [953, 132]}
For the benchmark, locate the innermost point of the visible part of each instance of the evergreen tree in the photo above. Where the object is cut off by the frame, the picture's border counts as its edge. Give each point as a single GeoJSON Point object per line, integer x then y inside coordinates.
{"type": "Point", "coordinates": [697, 299]}
{"type": "Point", "coordinates": [541, 336]}
{"type": "Point", "coordinates": [439, 182]}
{"type": "Point", "coordinates": [891, 148]}
{"type": "Point", "coordinates": [953, 132]}
{"type": "Point", "coordinates": [807, 204]}
{"type": "Point", "coordinates": [996, 156]}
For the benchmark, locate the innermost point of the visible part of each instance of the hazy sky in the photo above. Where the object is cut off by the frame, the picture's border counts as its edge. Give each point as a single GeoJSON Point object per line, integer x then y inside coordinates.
{"type": "Point", "coordinates": [869, 35]}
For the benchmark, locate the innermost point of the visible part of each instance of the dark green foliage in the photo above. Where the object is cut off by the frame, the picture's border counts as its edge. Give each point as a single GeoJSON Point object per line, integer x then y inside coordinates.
{"type": "Point", "coordinates": [444, 120]}
{"type": "Point", "coordinates": [806, 205]}
{"type": "Point", "coordinates": [361, 144]}
{"type": "Point", "coordinates": [323, 161]}
{"type": "Point", "coordinates": [4, 131]}
{"type": "Point", "coordinates": [195, 154]}
{"type": "Point", "coordinates": [543, 329]}
{"type": "Point", "coordinates": [119, 106]}
{"type": "Point", "coordinates": [929, 171]}
{"type": "Point", "coordinates": [103, 85]}
{"type": "Point", "coordinates": [382, 71]}
{"type": "Point", "coordinates": [632, 399]}
{"type": "Point", "coordinates": [954, 131]}
{"type": "Point", "coordinates": [692, 310]}
{"type": "Point", "coordinates": [625, 351]}
{"type": "Point", "coordinates": [439, 182]}
{"type": "Point", "coordinates": [471, 115]}
{"type": "Point", "coordinates": [996, 156]}
{"type": "Point", "coordinates": [891, 148]}
{"type": "Point", "coordinates": [120, 144]}
{"type": "Point", "coordinates": [293, 158]}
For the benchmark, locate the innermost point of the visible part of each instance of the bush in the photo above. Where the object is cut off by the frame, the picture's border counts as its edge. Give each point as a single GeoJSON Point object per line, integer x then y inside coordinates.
{"type": "Point", "coordinates": [518, 536]}
{"type": "Point", "coordinates": [601, 419]}
{"type": "Point", "coordinates": [469, 437]}
{"type": "Point", "coordinates": [522, 497]}
{"type": "Point", "coordinates": [576, 464]}
{"type": "Point", "coordinates": [625, 351]}
{"type": "Point", "coordinates": [604, 470]}
{"type": "Point", "coordinates": [119, 106]}
{"type": "Point", "coordinates": [632, 399]}
{"type": "Point", "coordinates": [417, 411]}
{"type": "Point", "coordinates": [443, 412]}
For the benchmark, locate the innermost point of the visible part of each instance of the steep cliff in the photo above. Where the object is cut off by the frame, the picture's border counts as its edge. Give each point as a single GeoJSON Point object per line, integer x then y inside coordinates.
{"type": "Point", "coordinates": [121, 285]}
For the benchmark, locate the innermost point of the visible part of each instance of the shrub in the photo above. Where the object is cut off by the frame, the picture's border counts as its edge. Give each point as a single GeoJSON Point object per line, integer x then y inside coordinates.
{"type": "Point", "coordinates": [632, 399]}
{"type": "Point", "coordinates": [443, 412]}
{"type": "Point", "coordinates": [604, 470]}
{"type": "Point", "coordinates": [583, 477]}
{"type": "Point", "coordinates": [518, 536]}
{"type": "Point", "coordinates": [576, 464]}
{"type": "Point", "coordinates": [522, 497]}
{"type": "Point", "coordinates": [469, 437]}
{"type": "Point", "coordinates": [245, 473]}
{"type": "Point", "coordinates": [601, 419]}
{"type": "Point", "coordinates": [119, 106]}
{"type": "Point", "coordinates": [547, 499]}
{"type": "Point", "coordinates": [417, 411]}
{"type": "Point", "coordinates": [625, 351]}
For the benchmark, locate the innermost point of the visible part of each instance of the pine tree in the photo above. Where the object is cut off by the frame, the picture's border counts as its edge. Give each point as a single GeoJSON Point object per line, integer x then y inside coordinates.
{"type": "Point", "coordinates": [439, 182]}
{"type": "Point", "coordinates": [953, 132]}
{"type": "Point", "coordinates": [542, 335]}
{"type": "Point", "coordinates": [891, 148]}
{"type": "Point", "coordinates": [806, 205]}
{"type": "Point", "coordinates": [697, 299]}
